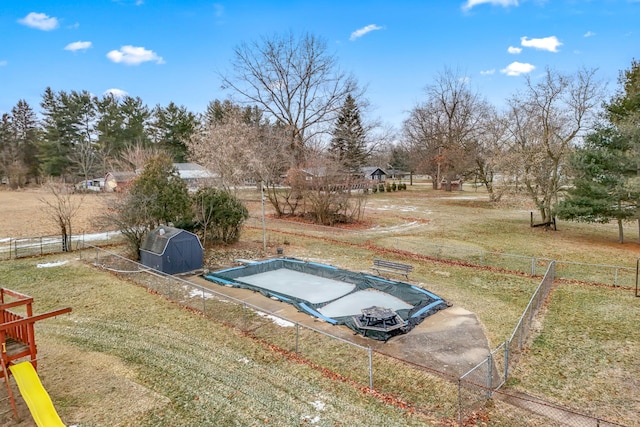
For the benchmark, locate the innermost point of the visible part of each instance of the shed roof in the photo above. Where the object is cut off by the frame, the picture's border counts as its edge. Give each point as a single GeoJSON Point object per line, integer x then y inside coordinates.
{"type": "Point", "coordinates": [156, 240]}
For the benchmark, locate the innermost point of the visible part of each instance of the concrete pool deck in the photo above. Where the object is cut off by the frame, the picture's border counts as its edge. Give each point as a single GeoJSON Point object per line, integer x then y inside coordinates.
{"type": "Point", "coordinates": [451, 341]}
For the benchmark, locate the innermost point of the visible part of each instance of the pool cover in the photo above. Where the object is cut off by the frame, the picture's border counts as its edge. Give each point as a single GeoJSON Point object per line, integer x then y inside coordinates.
{"type": "Point", "coordinates": [332, 294]}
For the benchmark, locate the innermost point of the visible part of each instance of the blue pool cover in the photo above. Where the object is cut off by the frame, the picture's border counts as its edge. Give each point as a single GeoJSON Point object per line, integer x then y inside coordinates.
{"type": "Point", "coordinates": [312, 286]}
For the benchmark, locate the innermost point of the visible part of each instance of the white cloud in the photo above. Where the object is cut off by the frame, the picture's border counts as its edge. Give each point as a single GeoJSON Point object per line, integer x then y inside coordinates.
{"type": "Point", "coordinates": [75, 46]}
{"type": "Point", "coordinates": [488, 72]}
{"type": "Point", "coordinates": [517, 68]}
{"type": "Point", "coordinates": [514, 50]}
{"type": "Point", "coordinates": [547, 43]}
{"type": "Point", "coordinates": [364, 30]}
{"type": "Point", "coordinates": [504, 3]}
{"type": "Point", "coordinates": [39, 21]}
{"type": "Point", "coordinates": [133, 55]}
{"type": "Point", "coordinates": [116, 93]}
{"type": "Point", "coordinates": [589, 34]}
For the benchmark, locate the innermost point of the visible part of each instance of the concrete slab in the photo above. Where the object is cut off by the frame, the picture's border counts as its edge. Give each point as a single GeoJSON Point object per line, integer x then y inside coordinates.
{"type": "Point", "coordinates": [451, 341]}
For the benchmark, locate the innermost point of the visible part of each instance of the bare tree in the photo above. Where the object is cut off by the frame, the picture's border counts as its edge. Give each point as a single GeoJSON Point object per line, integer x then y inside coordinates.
{"type": "Point", "coordinates": [229, 148]}
{"type": "Point", "coordinates": [62, 206]}
{"type": "Point", "coordinates": [491, 163]}
{"type": "Point", "coordinates": [544, 124]}
{"type": "Point", "coordinates": [444, 131]}
{"type": "Point", "coordinates": [329, 194]}
{"type": "Point", "coordinates": [294, 80]}
{"type": "Point", "coordinates": [134, 156]}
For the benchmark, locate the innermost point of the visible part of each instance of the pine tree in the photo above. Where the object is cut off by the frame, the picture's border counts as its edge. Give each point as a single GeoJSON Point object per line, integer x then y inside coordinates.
{"type": "Point", "coordinates": [173, 127]}
{"type": "Point", "coordinates": [27, 134]}
{"type": "Point", "coordinates": [348, 141]}
{"type": "Point", "coordinates": [606, 186]}
{"type": "Point", "coordinates": [600, 191]}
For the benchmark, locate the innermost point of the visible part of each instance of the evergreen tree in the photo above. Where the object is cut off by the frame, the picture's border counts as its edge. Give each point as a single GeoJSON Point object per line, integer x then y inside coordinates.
{"type": "Point", "coordinates": [219, 215]}
{"type": "Point", "coordinates": [600, 193]}
{"type": "Point", "coordinates": [219, 112]}
{"type": "Point", "coordinates": [135, 118]}
{"type": "Point", "coordinates": [160, 193]}
{"type": "Point", "coordinates": [607, 168]}
{"type": "Point", "coordinates": [69, 122]}
{"type": "Point", "coordinates": [348, 139]}
{"type": "Point", "coordinates": [55, 146]}
{"type": "Point", "coordinates": [109, 128]}
{"type": "Point", "coordinates": [27, 135]}
{"type": "Point", "coordinates": [173, 127]}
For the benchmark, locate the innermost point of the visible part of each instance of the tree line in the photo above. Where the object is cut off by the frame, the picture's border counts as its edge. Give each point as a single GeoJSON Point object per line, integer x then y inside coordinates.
{"type": "Point", "coordinates": [296, 116]}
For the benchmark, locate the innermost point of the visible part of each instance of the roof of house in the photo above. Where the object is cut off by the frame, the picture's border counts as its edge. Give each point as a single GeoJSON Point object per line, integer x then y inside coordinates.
{"type": "Point", "coordinates": [122, 176]}
{"type": "Point", "coordinates": [192, 171]}
{"type": "Point", "coordinates": [370, 170]}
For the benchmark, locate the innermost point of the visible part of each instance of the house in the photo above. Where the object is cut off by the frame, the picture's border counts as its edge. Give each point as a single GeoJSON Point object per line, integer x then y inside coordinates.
{"type": "Point", "coordinates": [194, 175]}
{"type": "Point", "coordinates": [96, 184]}
{"type": "Point", "coordinates": [397, 173]}
{"type": "Point", "coordinates": [118, 181]}
{"type": "Point", "coordinates": [373, 173]}
{"type": "Point", "coordinates": [171, 250]}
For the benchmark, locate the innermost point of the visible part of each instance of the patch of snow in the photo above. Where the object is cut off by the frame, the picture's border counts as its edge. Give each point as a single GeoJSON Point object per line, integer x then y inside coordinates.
{"type": "Point", "coordinates": [401, 227]}
{"type": "Point", "coordinates": [194, 292]}
{"type": "Point", "coordinates": [243, 360]}
{"type": "Point", "coordinates": [52, 264]}
{"type": "Point", "coordinates": [395, 208]}
{"type": "Point", "coordinates": [318, 405]}
{"type": "Point", "coordinates": [278, 321]}
{"type": "Point", "coordinates": [311, 420]}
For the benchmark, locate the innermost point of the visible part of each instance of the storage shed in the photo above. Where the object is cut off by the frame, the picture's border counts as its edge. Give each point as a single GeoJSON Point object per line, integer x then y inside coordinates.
{"type": "Point", "coordinates": [171, 250]}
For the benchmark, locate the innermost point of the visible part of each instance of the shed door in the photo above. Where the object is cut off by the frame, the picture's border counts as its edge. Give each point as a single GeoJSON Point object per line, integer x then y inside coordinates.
{"type": "Point", "coordinates": [185, 257]}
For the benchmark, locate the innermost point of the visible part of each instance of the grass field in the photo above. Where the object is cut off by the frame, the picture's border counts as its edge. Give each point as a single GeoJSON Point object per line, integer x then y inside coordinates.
{"type": "Point", "coordinates": [122, 344]}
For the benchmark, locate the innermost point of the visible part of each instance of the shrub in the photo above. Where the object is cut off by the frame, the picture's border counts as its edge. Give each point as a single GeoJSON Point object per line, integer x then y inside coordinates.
{"type": "Point", "coordinates": [219, 215]}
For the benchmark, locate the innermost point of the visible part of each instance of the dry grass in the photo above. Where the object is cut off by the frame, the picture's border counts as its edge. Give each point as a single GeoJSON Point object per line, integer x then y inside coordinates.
{"type": "Point", "coordinates": [583, 354]}
{"type": "Point", "coordinates": [122, 344]}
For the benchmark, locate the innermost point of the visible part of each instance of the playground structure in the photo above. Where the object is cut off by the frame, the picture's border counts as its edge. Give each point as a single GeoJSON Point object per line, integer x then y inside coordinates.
{"type": "Point", "coordinates": [17, 340]}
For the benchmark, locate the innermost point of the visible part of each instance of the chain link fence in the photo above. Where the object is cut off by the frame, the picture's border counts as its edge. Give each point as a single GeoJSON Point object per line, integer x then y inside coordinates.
{"type": "Point", "coordinates": [448, 398]}
{"type": "Point", "coordinates": [613, 275]}
{"type": "Point", "coordinates": [13, 248]}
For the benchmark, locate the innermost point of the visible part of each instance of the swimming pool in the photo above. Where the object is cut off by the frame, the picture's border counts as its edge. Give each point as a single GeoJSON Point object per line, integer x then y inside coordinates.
{"type": "Point", "coordinates": [332, 294]}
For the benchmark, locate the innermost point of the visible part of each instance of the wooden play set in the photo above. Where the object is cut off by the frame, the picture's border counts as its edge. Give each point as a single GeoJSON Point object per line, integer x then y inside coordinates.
{"type": "Point", "coordinates": [18, 342]}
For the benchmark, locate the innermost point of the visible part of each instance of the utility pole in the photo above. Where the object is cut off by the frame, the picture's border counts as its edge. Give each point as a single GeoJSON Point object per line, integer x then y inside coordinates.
{"type": "Point", "coordinates": [264, 226]}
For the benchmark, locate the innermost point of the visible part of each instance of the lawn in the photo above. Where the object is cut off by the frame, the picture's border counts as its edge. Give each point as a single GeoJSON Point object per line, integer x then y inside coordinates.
{"type": "Point", "coordinates": [122, 343]}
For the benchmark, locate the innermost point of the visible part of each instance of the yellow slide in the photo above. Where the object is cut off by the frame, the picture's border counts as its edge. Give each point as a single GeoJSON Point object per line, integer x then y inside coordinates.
{"type": "Point", "coordinates": [37, 398]}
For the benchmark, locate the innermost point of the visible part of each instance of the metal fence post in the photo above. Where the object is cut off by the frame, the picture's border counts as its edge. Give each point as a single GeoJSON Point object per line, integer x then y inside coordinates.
{"type": "Point", "coordinates": [506, 360]}
{"type": "Point", "coordinates": [459, 401]}
{"type": "Point", "coordinates": [489, 375]}
{"type": "Point", "coordinates": [370, 369]}
{"type": "Point", "coordinates": [297, 335]}
{"type": "Point", "coordinates": [244, 316]}
{"type": "Point", "coordinates": [533, 266]}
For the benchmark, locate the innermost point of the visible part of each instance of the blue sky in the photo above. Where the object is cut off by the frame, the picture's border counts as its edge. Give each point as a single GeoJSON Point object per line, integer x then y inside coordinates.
{"type": "Point", "coordinates": [166, 51]}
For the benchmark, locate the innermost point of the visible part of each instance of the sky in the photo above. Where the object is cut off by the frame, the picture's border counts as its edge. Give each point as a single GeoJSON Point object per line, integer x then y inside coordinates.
{"type": "Point", "coordinates": [174, 51]}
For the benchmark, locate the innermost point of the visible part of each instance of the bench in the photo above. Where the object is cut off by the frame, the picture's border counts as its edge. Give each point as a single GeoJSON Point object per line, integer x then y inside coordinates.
{"type": "Point", "coordinates": [391, 267]}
